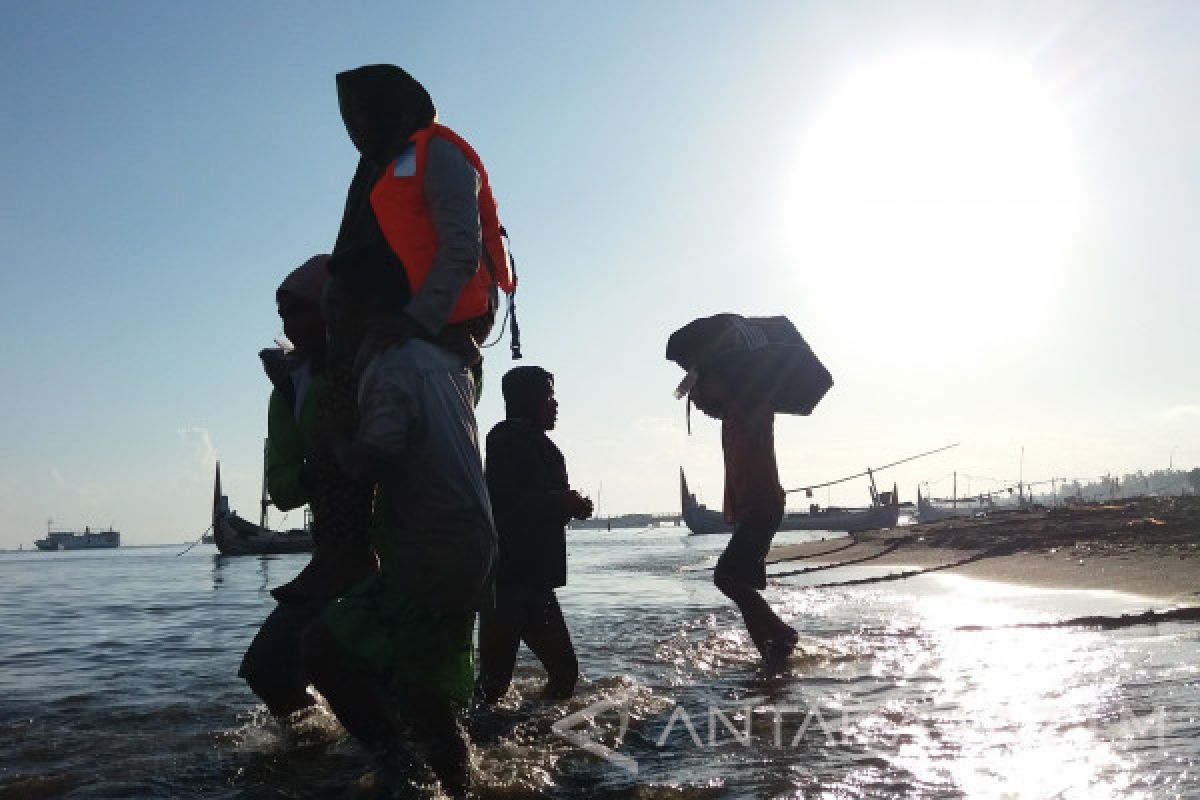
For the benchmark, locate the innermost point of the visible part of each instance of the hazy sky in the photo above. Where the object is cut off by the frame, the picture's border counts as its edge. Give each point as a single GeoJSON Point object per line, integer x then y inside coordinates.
{"type": "Point", "coordinates": [982, 216]}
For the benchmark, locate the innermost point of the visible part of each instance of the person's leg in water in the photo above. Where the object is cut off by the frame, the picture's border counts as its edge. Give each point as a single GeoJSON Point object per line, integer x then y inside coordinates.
{"type": "Point", "coordinates": [499, 638]}
{"type": "Point", "coordinates": [773, 637]}
{"type": "Point", "coordinates": [272, 667]}
{"type": "Point", "coordinates": [545, 632]}
{"type": "Point", "coordinates": [537, 620]}
{"type": "Point", "coordinates": [741, 572]}
{"type": "Point", "coordinates": [433, 720]}
{"type": "Point", "coordinates": [369, 713]}
{"type": "Point", "coordinates": [356, 698]}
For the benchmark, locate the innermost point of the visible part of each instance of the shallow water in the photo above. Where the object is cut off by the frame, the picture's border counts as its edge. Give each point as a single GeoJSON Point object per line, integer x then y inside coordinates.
{"type": "Point", "coordinates": [117, 679]}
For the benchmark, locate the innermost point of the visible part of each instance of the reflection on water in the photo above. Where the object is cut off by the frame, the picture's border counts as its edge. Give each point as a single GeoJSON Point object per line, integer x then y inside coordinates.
{"type": "Point", "coordinates": [117, 678]}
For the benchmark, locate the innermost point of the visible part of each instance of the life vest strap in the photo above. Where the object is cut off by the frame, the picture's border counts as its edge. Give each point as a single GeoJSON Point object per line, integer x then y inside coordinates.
{"type": "Point", "coordinates": [510, 314]}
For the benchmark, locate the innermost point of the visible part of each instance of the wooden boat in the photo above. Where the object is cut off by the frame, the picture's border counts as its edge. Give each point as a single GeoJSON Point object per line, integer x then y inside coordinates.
{"type": "Point", "coordinates": [936, 509]}
{"type": "Point", "coordinates": [235, 536]}
{"type": "Point", "coordinates": [884, 512]}
{"type": "Point", "coordinates": [928, 511]}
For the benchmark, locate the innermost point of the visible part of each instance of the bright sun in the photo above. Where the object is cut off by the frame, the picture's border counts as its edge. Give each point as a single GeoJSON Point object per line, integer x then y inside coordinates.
{"type": "Point", "coordinates": [937, 200]}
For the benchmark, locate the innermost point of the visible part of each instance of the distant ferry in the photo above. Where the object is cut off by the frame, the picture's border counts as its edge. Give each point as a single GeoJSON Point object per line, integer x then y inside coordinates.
{"type": "Point", "coordinates": [87, 539]}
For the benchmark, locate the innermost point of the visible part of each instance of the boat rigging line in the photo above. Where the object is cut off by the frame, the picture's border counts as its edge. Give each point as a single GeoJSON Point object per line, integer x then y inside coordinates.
{"type": "Point", "coordinates": [198, 540]}
{"type": "Point", "coordinates": [871, 470]}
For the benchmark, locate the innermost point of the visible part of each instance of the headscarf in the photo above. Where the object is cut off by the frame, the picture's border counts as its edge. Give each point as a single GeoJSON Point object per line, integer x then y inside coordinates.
{"type": "Point", "coordinates": [394, 103]}
{"type": "Point", "coordinates": [396, 107]}
{"type": "Point", "coordinates": [524, 389]}
{"type": "Point", "coordinates": [307, 280]}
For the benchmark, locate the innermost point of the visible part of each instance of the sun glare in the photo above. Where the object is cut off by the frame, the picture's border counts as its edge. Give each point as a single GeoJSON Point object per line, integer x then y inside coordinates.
{"type": "Point", "coordinates": [937, 200]}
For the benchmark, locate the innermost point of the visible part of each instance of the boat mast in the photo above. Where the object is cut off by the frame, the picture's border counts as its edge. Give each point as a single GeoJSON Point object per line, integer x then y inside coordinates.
{"type": "Point", "coordinates": [264, 501]}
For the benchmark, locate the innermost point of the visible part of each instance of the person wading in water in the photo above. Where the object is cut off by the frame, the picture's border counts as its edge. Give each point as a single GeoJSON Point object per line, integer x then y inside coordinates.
{"type": "Point", "coordinates": [754, 503]}
{"type": "Point", "coordinates": [298, 473]}
{"type": "Point", "coordinates": [396, 648]}
{"type": "Point", "coordinates": [532, 503]}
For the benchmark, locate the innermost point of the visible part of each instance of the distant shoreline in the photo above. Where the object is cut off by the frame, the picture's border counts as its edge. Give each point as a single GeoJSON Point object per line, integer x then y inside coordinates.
{"type": "Point", "coordinates": [32, 549]}
{"type": "Point", "coordinates": [1145, 546]}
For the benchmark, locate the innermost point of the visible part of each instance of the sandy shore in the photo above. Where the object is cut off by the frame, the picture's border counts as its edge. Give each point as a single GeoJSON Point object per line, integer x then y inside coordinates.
{"type": "Point", "coordinates": [1147, 546]}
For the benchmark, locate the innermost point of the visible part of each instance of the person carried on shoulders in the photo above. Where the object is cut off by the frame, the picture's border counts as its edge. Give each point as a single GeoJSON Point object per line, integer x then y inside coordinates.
{"type": "Point", "coordinates": [422, 189]}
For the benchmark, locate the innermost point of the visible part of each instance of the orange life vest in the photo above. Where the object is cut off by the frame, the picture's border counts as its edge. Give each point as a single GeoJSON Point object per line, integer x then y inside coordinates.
{"type": "Point", "coordinates": [398, 199]}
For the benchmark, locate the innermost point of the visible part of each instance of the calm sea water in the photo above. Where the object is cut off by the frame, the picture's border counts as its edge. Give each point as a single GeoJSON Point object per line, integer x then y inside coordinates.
{"type": "Point", "coordinates": [117, 679]}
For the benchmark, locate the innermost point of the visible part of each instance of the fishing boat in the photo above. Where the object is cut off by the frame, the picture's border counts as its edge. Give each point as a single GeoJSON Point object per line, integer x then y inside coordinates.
{"type": "Point", "coordinates": [235, 536]}
{"type": "Point", "coordinates": [87, 539]}
{"type": "Point", "coordinates": [884, 512]}
{"type": "Point", "coordinates": [932, 510]}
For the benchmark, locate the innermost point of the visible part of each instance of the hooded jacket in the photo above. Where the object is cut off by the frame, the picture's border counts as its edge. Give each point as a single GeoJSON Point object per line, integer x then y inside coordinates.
{"type": "Point", "coordinates": [526, 476]}
{"type": "Point", "coordinates": [296, 393]}
{"type": "Point", "coordinates": [423, 190]}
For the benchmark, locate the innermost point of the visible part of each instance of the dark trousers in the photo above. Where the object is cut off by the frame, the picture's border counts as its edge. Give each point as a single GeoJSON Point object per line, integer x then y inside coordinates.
{"type": "Point", "coordinates": [745, 556]}
{"type": "Point", "coordinates": [533, 617]}
{"type": "Point", "coordinates": [272, 666]}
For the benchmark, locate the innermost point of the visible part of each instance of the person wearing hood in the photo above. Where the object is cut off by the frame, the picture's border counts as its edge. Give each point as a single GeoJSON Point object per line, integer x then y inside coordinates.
{"type": "Point", "coordinates": [271, 665]}
{"type": "Point", "coordinates": [532, 502]}
{"type": "Point", "coordinates": [423, 190]}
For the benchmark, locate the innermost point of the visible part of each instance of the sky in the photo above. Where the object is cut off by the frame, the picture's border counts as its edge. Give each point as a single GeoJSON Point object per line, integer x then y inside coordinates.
{"type": "Point", "coordinates": [980, 215]}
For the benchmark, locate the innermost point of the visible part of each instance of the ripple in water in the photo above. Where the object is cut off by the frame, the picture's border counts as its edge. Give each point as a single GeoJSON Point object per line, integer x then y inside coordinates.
{"type": "Point", "coordinates": [133, 693]}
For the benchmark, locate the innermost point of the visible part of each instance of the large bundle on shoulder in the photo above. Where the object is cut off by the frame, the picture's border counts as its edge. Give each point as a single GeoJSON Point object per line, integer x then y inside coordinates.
{"type": "Point", "coordinates": [759, 359]}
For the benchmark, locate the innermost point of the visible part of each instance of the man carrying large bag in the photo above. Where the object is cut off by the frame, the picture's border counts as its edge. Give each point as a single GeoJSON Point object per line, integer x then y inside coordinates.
{"type": "Point", "coordinates": [742, 371]}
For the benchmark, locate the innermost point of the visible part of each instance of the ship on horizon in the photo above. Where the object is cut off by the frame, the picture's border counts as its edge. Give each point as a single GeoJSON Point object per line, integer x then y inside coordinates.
{"type": "Point", "coordinates": [87, 539]}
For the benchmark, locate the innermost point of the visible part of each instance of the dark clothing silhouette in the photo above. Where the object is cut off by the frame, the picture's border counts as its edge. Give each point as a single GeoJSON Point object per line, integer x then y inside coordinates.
{"type": "Point", "coordinates": [533, 617]}
{"type": "Point", "coordinates": [393, 106]}
{"type": "Point", "coordinates": [527, 478]}
{"type": "Point", "coordinates": [754, 500]}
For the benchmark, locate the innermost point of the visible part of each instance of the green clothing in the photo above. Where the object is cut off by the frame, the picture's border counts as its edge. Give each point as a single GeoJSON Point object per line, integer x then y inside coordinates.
{"type": "Point", "coordinates": [289, 437]}
{"type": "Point", "coordinates": [403, 644]}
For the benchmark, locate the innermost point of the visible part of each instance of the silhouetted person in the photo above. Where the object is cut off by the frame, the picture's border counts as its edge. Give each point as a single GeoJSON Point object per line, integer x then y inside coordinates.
{"type": "Point", "coordinates": [754, 503]}
{"type": "Point", "coordinates": [396, 648]}
{"type": "Point", "coordinates": [422, 190]}
{"type": "Point", "coordinates": [271, 665]}
{"type": "Point", "coordinates": [532, 503]}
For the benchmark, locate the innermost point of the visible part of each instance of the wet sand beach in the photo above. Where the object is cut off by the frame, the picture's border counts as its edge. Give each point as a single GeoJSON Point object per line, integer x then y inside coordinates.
{"type": "Point", "coordinates": [1145, 546]}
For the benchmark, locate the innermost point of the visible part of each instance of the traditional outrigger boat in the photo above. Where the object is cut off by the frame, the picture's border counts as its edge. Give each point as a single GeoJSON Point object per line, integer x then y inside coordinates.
{"type": "Point", "coordinates": [884, 512]}
{"type": "Point", "coordinates": [235, 536]}
{"type": "Point", "coordinates": [933, 510]}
